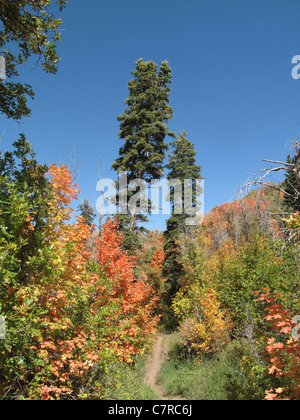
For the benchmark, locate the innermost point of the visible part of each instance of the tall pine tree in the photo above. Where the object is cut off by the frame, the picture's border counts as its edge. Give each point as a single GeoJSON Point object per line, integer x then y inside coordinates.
{"type": "Point", "coordinates": [182, 166]}
{"type": "Point", "coordinates": [143, 129]}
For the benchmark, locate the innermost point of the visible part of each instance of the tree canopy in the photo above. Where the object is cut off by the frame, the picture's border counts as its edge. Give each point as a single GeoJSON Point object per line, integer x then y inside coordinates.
{"type": "Point", "coordinates": [28, 30]}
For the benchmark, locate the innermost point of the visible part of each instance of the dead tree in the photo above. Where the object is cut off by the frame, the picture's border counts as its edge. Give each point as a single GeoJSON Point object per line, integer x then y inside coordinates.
{"type": "Point", "coordinates": [261, 177]}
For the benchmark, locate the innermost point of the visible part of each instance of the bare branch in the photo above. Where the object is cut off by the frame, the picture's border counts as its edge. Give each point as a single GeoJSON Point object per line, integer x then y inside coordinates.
{"type": "Point", "coordinates": [277, 162]}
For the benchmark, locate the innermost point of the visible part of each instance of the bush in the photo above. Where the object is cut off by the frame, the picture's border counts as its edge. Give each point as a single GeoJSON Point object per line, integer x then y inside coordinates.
{"type": "Point", "coordinates": [126, 382]}
{"type": "Point", "coordinates": [235, 374]}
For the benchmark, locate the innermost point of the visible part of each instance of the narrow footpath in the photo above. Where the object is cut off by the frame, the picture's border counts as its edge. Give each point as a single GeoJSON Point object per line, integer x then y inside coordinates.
{"type": "Point", "coordinates": [159, 354]}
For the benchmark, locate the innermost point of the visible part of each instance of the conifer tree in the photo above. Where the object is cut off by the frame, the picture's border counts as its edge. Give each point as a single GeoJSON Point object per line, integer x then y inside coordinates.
{"type": "Point", "coordinates": [143, 129]}
{"type": "Point", "coordinates": [87, 212]}
{"type": "Point", "coordinates": [291, 186]}
{"type": "Point", "coordinates": [182, 166]}
{"type": "Point", "coordinates": [25, 201]}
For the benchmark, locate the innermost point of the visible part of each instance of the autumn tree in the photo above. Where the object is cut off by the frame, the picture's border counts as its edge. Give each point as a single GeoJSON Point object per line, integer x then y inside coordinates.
{"type": "Point", "coordinates": [29, 30]}
{"type": "Point", "coordinates": [26, 260]}
{"type": "Point", "coordinates": [206, 326]}
{"type": "Point", "coordinates": [240, 219]}
{"type": "Point", "coordinates": [70, 310]}
{"type": "Point", "coordinates": [149, 262]}
{"type": "Point", "coordinates": [137, 297]}
{"type": "Point", "coordinates": [143, 130]}
{"type": "Point", "coordinates": [283, 349]}
{"type": "Point", "coordinates": [234, 253]}
{"type": "Point", "coordinates": [240, 248]}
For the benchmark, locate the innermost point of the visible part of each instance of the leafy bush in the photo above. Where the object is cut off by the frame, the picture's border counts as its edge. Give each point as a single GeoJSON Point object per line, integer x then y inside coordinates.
{"type": "Point", "coordinates": [71, 310]}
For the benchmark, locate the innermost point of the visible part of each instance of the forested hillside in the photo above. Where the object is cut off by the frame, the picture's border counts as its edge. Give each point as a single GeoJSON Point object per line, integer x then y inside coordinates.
{"type": "Point", "coordinates": [76, 303]}
{"type": "Point", "coordinates": [238, 297]}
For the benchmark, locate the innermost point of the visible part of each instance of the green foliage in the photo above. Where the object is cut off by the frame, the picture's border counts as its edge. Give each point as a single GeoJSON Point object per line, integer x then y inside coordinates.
{"type": "Point", "coordinates": [238, 251]}
{"type": "Point", "coordinates": [70, 311]}
{"type": "Point", "coordinates": [182, 166]}
{"type": "Point", "coordinates": [25, 252]}
{"type": "Point", "coordinates": [143, 124]}
{"type": "Point", "coordinates": [252, 266]}
{"type": "Point", "coordinates": [235, 273]}
{"type": "Point", "coordinates": [133, 238]}
{"type": "Point", "coordinates": [292, 188]}
{"type": "Point", "coordinates": [192, 382]}
{"type": "Point", "coordinates": [28, 30]}
{"type": "Point", "coordinates": [25, 194]}
{"type": "Point", "coordinates": [236, 374]}
{"type": "Point", "coordinates": [126, 382]}
{"type": "Point", "coordinates": [87, 212]}
{"type": "Point", "coordinates": [182, 161]}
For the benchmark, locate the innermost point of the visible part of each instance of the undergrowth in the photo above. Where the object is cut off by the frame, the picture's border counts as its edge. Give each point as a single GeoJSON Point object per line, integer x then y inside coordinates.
{"type": "Point", "coordinates": [126, 382]}
{"type": "Point", "coordinates": [222, 377]}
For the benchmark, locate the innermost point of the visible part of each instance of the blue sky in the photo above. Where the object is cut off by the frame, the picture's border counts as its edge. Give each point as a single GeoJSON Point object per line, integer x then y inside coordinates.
{"type": "Point", "coordinates": [232, 88]}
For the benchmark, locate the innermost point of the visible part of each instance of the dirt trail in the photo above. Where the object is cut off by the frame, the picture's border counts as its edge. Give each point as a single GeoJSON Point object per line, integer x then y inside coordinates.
{"type": "Point", "coordinates": [159, 353]}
